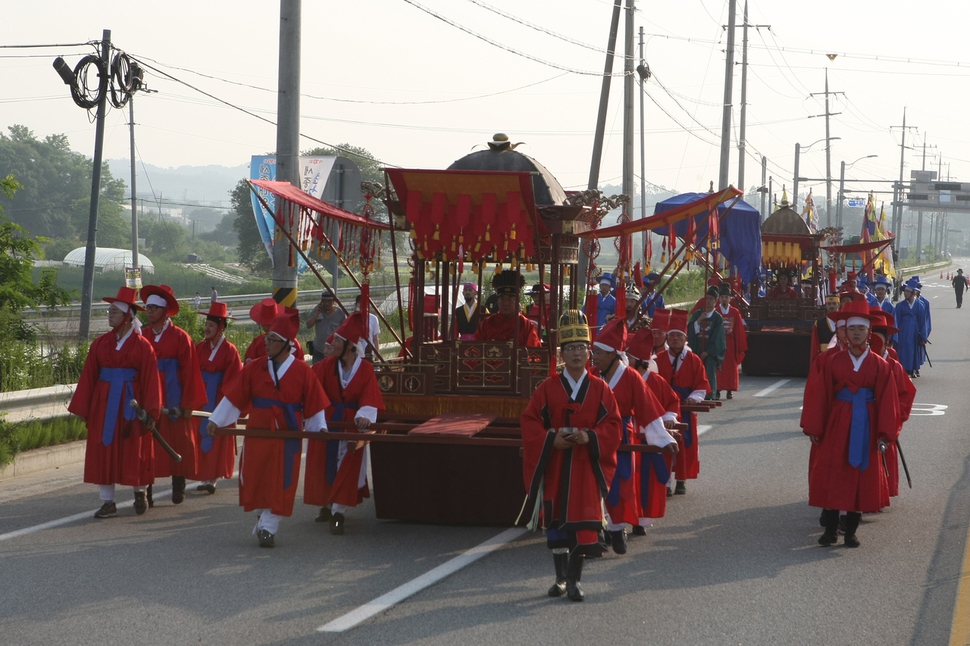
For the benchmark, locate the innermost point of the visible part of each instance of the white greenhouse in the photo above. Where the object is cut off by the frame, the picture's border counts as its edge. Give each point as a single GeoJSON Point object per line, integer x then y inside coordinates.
{"type": "Point", "coordinates": [106, 259]}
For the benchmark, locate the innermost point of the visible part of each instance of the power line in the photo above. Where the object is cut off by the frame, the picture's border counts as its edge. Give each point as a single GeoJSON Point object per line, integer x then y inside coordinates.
{"type": "Point", "coordinates": [494, 43]}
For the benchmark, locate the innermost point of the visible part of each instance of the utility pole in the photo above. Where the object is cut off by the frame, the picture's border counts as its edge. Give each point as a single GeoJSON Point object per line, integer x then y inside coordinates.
{"type": "Point", "coordinates": [725, 161]}
{"type": "Point", "coordinates": [919, 216]}
{"type": "Point", "coordinates": [742, 140]}
{"type": "Point", "coordinates": [594, 167]}
{"type": "Point", "coordinates": [764, 187]}
{"type": "Point", "coordinates": [643, 72]}
{"type": "Point", "coordinates": [87, 287]}
{"type": "Point", "coordinates": [628, 89]}
{"type": "Point", "coordinates": [134, 201]}
{"type": "Point", "coordinates": [828, 147]}
{"type": "Point", "coordinates": [898, 189]}
{"type": "Point", "coordinates": [287, 143]}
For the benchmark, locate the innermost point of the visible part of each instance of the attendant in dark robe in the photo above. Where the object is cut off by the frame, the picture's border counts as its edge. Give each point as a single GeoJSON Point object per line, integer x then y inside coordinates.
{"type": "Point", "coordinates": [705, 335]}
{"type": "Point", "coordinates": [642, 419]}
{"type": "Point", "coordinates": [182, 388]}
{"type": "Point", "coordinates": [336, 471]}
{"type": "Point", "coordinates": [502, 326]}
{"type": "Point", "coordinates": [850, 407]}
{"type": "Point", "coordinates": [652, 300]}
{"type": "Point", "coordinates": [570, 434]}
{"type": "Point", "coordinates": [686, 374]}
{"type": "Point", "coordinates": [467, 314]}
{"type": "Point", "coordinates": [824, 328]}
{"type": "Point", "coordinates": [883, 288]}
{"type": "Point", "coordinates": [120, 366]}
{"type": "Point", "coordinates": [959, 283]}
{"type": "Point", "coordinates": [735, 340]}
{"type": "Point", "coordinates": [219, 362]}
{"type": "Point", "coordinates": [279, 393]}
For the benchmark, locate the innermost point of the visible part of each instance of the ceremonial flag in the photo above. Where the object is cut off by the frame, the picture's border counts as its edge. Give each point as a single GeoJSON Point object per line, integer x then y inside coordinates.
{"type": "Point", "coordinates": [811, 219]}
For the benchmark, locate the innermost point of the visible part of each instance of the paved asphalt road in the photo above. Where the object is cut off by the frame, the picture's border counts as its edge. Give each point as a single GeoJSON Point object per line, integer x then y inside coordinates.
{"type": "Point", "coordinates": [734, 562]}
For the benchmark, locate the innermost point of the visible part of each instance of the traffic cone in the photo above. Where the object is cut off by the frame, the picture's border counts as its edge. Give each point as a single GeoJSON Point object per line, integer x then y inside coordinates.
{"type": "Point", "coordinates": [941, 275]}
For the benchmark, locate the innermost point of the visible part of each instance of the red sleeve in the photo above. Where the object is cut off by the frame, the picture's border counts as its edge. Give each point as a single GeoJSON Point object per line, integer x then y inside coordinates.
{"type": "Point", "coordinates": [190, 375]}
{"type": "Point", "coordinates": [84, 392]}
{"type": "Point", "coordinates": [149, 392]}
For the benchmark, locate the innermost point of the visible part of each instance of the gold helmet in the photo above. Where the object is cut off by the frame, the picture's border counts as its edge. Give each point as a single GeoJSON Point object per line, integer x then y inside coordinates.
{"type": "Point", "coordinates": [573, 327]}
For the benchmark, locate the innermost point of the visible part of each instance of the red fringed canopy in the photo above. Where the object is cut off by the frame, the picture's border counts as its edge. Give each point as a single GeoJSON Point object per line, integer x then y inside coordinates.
{"type": "Point", "coordinates": [472, 215]}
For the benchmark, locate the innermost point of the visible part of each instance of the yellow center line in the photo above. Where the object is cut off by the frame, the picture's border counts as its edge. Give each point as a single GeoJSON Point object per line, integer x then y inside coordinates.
{"type": "Point", "coordinates": [960, 630]}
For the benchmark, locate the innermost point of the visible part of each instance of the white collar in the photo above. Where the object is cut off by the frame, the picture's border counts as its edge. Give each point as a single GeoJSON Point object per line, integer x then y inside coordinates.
{"type": "Point", "coordinates": [158, 337]}
{"type": "Point", "coordinates": [277, 372]}
{"type": "Point", "coordinates": [573, 384]}
{"type": "Point", "coordinates": [215, 349]}
{"type": "Point", "coordinates": [122, 340]}
{"type": "Point", "coordinates": [857, 362]}
{"type": "Point", "coordinates": [346, 378]}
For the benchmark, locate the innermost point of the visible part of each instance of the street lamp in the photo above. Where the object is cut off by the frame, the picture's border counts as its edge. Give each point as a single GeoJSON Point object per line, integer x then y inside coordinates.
{"type": "Point", "coordinates": [798, 152]}
{"type": "Point", "coordinates": [838, 217]}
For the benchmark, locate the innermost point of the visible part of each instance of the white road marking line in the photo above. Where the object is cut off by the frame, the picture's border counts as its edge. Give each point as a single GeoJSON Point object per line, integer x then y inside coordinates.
{"type": "Point", "coordinates": [395, 596]}
{"type": "Point", "coordinates": [773, 387]}
{"type": "Point", "coordinates": [703, 428]}
{"type": "Point", "coordinates": [71, 519]}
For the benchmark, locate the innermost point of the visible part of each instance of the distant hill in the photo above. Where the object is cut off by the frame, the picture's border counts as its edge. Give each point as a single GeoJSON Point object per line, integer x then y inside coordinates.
{"type": "Point", "coordinates": [208, 185]}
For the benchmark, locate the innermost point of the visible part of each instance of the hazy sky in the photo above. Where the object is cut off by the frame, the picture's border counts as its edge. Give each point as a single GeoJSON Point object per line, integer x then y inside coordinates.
{"type": "Point", "coordinates": [418, 92]}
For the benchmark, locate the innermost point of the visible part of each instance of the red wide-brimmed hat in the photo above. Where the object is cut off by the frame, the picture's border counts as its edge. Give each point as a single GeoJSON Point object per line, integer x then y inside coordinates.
{"type": "Point", "coordinates": [678, 321]}
{"type": "Point", "coordinates": [165, 293]}
{"type": "Point", "coordinates": [883, 321]}
{"type": "Point", "coordinates": [853, 309]}
{"type": "Point", "coordinates": [640, 345]}
{"type": "Point", "coordinates": [264, 312]}
{"type": "Point", "coordinates": [660, 321]}
{"type": "Point", "coordinates": [352, 329]}
{"type": "Point", "coordinates": [613, 336]}
{"type": "Point", "coordinates": [286, 325]}
{"type": "Point", "coordinates": [218, 310]}
{"type": "Point", "coordinates": [126, 295]}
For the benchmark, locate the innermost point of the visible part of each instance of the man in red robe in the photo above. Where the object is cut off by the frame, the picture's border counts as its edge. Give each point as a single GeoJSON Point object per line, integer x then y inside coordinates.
{"type": "Point", "coordinates": [641, 417]}
{"type": "Point", "coordinates": [120, 367]}
{"type": "Point", "coordinates": [502, 325]}
{"type": "Point", "coordinates": [182, 387]}
{"type": "Point", "coordinates": [336, 471]}
{"type": "Point", "coordinates": [884, 327]}
{"type": "Point", "coordinates": [280, 394]}
{"type": "Point", "coordinates": [736, 340]}
{"type": "Point", "coordinates": [849, 408]}
{"type": "Point", "coordinates": [570, 433]}
{"type": "Point", "coordinates": [655, 468]}
{"type": "Point", "coordinates": [686, 374]}
{"type": "Point", "coordinates": [219, 363]}
{"type": "Point", "coordinates": [823, 330]}
{"type": "Point", "coordinates": [263, 314]}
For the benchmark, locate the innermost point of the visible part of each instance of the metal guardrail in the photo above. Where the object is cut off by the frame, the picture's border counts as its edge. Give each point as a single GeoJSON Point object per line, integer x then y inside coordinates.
{"type": "Point", "coordinates": [342, 293]}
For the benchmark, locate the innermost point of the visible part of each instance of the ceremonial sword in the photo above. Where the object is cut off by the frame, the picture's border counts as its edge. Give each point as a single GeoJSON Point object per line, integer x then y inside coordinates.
{"type": "Point", "coordinates": [902, 458]}
{"type": "Point", "coordinates": [882, 453]}
{"type": "Point", "coordinates": [150, 425]}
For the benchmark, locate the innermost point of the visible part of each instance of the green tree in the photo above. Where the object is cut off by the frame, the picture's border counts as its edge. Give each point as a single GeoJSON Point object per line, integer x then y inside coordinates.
{"type": "Point", "coordinates": [17, 253]}
{"type": "Point", "coordinates": [371, 169]}
{"type": "Point", "coordinates": [56, 188]}
{"type": "Point", "coordinates": [165, 239]}
{"type": "Point", "coordinates": [225, 231]}
{"type": "Point", "coordinates": [252, 252]}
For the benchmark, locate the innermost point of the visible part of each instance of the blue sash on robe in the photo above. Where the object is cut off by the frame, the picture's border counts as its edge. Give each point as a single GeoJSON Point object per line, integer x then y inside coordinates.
{"type": "Point", "coordinates": [859, 431]}
{"type": "Point", "coordinates": [169, 369]}
{"type": "Point", "coordinates": [292, 446]}
{"type": "Point", "coordinates": [212, 381]}
{"type": "Point", "coordinates": [120, 380]}
{"type": "Point", "coordinates": [624, 464]}
{"type": "Point", "coordinates": [333, 446]}
{"type": "Point", "coordinates": [683, 391]}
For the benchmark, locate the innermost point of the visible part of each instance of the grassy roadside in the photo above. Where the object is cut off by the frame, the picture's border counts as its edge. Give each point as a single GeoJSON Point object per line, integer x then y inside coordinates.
{"type": "Point", "coordinates": [24, 436]}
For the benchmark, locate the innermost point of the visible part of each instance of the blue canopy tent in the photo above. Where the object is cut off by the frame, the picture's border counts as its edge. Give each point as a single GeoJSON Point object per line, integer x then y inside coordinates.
{"type": "Point", "coordinates": [740, 231]}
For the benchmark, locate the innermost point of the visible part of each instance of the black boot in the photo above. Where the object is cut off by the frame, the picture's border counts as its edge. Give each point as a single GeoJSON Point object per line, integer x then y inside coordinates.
{"type": "Point", "coordinates": [178, 489]}
{"type": "Point", "coordinates": [618, 541]}
{"type": "Point", "coordinates": [852, 520]}
{"type": "Point", "coordinates": [562, 564]}
{"type": "Point", "coordinates": [148, 496]}
{"type": "Point", "coordinates": [830, 519]}
{"type": "Point", "coordinates": [574, 573]}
